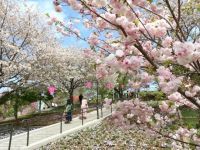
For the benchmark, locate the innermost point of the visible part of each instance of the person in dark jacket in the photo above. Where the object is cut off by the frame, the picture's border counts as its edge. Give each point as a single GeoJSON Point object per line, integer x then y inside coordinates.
{"type": "Point", "coordinates": [80, 98]}
{"type": "Point", "coordinates": [68, 111]}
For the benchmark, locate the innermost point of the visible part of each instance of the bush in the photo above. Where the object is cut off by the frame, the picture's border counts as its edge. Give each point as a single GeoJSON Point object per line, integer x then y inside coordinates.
{"type": "Point", "coordinates": [154, 104]}
{"type": "Point", "coordinates": [9, 112]}
{"type": "Point", "coordinates": [152, 95]}
{"type": "Point", "coordinates": [6, 110]}
{"type": "Point", "coordinates": [190, 117]}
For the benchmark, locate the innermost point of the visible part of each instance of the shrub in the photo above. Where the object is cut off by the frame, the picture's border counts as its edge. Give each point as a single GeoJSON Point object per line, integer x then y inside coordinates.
{"type": "Point", "coordinates": [154, 104]}
{"type": "Point", "coordinates": [152, 95]}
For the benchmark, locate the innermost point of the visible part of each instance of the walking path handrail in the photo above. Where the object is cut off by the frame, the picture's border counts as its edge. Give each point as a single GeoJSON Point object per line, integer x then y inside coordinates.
{"type": "Point", "coordinates": [61, 129]}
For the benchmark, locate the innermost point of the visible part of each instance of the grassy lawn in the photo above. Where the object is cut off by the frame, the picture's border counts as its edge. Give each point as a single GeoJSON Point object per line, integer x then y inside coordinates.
{"type": "Point", "coordinates": [190, 117]}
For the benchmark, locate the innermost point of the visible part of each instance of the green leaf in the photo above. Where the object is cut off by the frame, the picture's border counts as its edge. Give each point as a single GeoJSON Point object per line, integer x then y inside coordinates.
{"type": "Point", "coordinates": [56, 23]}
{"type": "Point", "coordinates": [47, 14]}
{"type": "Point", "coordinates": [167, 63]}
{"type": "Point", "coordinates": [198, 8]}
{"type": "Point", "coordinates": [136, 21]}
{"type": "Point", "coordinates": [150, 1]}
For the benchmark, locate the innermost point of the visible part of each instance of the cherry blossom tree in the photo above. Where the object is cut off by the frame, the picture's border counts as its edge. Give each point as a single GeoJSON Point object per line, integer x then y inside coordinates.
{"type": "Point", "coordinates": [24, 39]}
{"type": "Point", "coordinates": [67, 68]}
{"type": "Point", "coordinates": [150, 41]}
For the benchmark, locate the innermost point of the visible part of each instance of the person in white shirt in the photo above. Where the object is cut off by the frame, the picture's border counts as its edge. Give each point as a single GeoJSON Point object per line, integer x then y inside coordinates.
{"type": "Point", "coordinates": [84, 108]}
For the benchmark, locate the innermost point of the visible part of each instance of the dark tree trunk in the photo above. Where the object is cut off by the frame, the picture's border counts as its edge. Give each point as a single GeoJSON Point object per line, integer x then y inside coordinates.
{"type": "Point", "coordinates": [119, 91]}
{"type": "Point", "coordinates": [71, 94]}
{"type": "Point", "coordinates": [121, 95]}
{"type": "Point", "coordinates": [16, 107]}
{"type": "Point", "coordinates": [71, 90]}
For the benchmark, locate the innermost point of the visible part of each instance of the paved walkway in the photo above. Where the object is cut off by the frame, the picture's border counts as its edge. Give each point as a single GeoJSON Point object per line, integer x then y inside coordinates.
{"type": "Point", "coordinates": [42, 136]}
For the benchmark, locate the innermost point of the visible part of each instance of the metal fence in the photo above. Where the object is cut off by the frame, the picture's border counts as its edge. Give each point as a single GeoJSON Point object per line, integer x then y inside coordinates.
{"type": "Point", "coordinates": [10, 127]}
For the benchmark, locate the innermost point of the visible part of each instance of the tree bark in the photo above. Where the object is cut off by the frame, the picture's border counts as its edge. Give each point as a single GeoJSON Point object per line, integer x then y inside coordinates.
{"type": "Point", "coordinates": [16, 107]}
{"type": "Point", "coordinates": [71, 90]}
{"type": "Point", "coordinates": [71, 93]}
{"type": "Point", "coordinates": [119, 91]}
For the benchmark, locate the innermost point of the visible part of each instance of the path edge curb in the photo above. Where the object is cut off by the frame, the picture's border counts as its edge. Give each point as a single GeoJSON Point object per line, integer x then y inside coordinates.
{"type": "Point", "coordinates": [58, 136]}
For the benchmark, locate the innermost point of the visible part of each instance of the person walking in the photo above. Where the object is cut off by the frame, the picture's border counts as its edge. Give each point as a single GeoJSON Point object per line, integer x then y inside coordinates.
{"type": "Point", "coordinates": [68, 111]}
{"type": "Point", "coordinates": [84, 108]}
{"type": "Point", "coordinates": [80, 98]}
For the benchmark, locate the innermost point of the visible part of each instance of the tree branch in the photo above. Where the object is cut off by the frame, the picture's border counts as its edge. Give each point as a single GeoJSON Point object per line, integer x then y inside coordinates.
{"type": "Point", "coordinates": [191, 99]}
{"type": "Point", "coordinates": [175, 19]}
{"type": "Point", "coordinates": [118, 26]}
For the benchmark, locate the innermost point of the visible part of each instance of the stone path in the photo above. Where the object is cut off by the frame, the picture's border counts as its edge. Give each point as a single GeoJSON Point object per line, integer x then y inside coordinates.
{"type": "Point", "coordinates": [44, 135]}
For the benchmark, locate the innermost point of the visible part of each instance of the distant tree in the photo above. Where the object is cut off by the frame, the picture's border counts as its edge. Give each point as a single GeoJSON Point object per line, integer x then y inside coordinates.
{"type": "Point", "coordinates": [67, 69]}
{"type": "Point", "coordinates": [25, 40]}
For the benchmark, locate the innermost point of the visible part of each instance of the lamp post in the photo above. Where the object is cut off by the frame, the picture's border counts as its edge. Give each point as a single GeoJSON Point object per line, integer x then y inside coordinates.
{"type": "Point", "coordinates": [97, 101]}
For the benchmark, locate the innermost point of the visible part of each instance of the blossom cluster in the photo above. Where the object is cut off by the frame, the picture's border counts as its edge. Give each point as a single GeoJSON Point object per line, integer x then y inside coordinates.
{"type": "Point", "coordinates": [144, 41]}
{"type": "Point", "coordinates": [185, 135]}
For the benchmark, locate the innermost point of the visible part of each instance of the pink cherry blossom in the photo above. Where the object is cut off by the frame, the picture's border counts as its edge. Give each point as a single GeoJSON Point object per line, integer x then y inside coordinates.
{"type": "Point", "coordinates": [58, 8]}
{"type": "Point", "coordinates": [164, 72]}
{"type": "Point", "coordinates": [51, 89]}
{"type": "Point", "coordinates": [111, 17]}
{"type": "Point", "coordinates": [50, 22]}
{"type": "Point", "coordinates": [93, 39]}
{"type": "Point", "coordinates": [98, 61]}
{"type": "Point", "coordinates": [119, 53]}
{"type": "Point", "coordinates": [196, 89]}
{"type": "Point", "coordinates": [109, 85]}
{"type": "Point", "coordinates": [59, 29]}
{"type": "Point", "coordinates": [167, 42]}
{"type": "Point", "coordinates": [108, 101]}
{"type": "Point", "coordinates": [130, 15]}
{"type": "Point", "coordinates": [184, 52]}
{"type": "Point", "coordinates": [100, 23]}
{"type": "Point", "coordinates": [164, 106]}
{"type": "Point", "coordinates": [189, 94]}
{"type": "Point", "coordinates": [136, 62]}
{"type": "Point", "coordinates": [169, 87]}
{"type": "Point", "coordinates": [101, 72]}
{"type": "Point", "coordinates": [54, 19]}
{"type": "Point", "coordinates": [88, 85]}
{"type": "Point", "coordinates": [153, 8]}
{"type": "Point", "coordinates": [146, 78]}
{"type": "Point", "coordinates": [122, 21]}
{"type": "Point", "coordinates": [100, 3]}
{"type": "Point", "coordinates": [147, 46]}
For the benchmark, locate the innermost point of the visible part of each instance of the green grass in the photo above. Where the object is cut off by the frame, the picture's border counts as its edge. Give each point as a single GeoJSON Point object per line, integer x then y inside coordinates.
{"type": "Point", "coordinates": [190, 117]}
{"type": "Point", "coordinates": [153, 103]}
